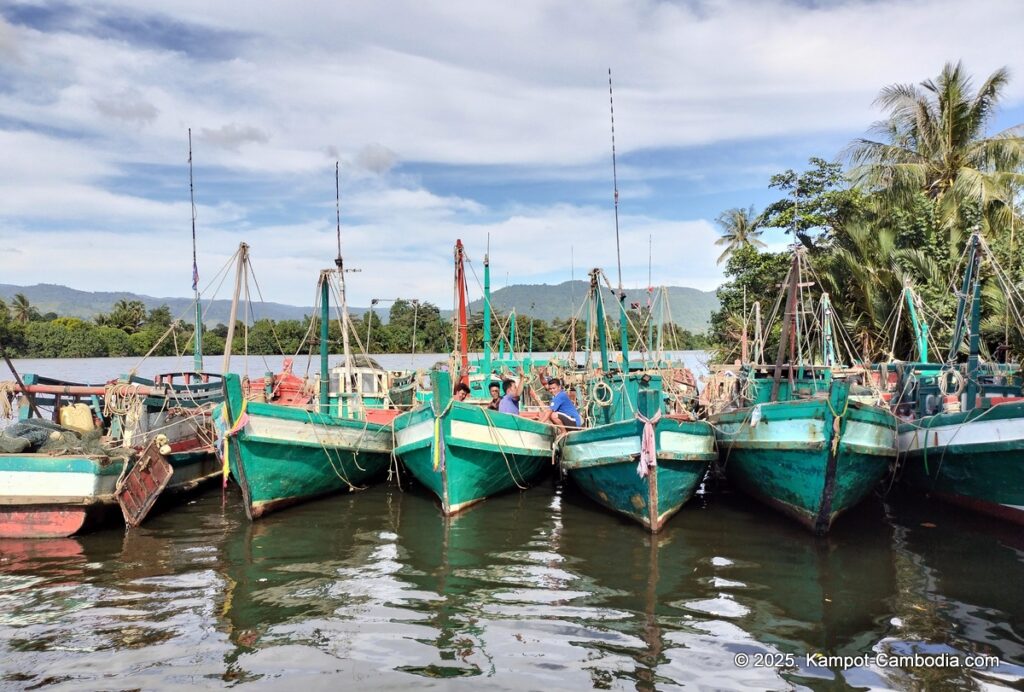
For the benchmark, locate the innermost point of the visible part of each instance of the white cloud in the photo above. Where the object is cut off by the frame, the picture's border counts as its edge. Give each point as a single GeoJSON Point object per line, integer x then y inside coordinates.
{"type": "Point", "coordinates": [127, 105]}
{"type": "Point", "coordinates": [8, 42]}
{"type": "Point", "coordinates": [232, 136]}
{"type": "Point", "coordinates": [517, 90]}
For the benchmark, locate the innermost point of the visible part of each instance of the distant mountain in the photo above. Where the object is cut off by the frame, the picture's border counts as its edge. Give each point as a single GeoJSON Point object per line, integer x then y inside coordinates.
{"type": "Point", "coordinates": [690, 308]}
{"type": "Point", "coordinates": [69, 302]}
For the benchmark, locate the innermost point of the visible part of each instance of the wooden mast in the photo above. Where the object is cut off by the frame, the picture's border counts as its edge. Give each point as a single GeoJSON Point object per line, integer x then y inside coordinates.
{"type": "Point", "coordinates": [340, 264]}
{"type": "Point", "coordinates": [788, 324]}
{"type": "Point", "coordinates": [243, 258]}
{"type": "Point", "coordinates": [462, 334]}
{"type": "Point", "coordinates": [197, 334]}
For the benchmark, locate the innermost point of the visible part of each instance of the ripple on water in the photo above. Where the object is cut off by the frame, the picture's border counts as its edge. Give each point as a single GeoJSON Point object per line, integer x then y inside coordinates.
{"type": "Point", "coordinates": [722, 606]}
{"type": "Point", "coordinates": [537, 590]}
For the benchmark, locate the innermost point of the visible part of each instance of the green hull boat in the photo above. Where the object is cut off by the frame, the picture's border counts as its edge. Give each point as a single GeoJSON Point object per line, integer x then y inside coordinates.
{"type": "Point", "coordinates": [464, 453]}
{"type": "Point", "coordinates": [812, 459]}
{"type": "Point", "coordinates": [602, 461]}
{"type": "Point", "coordinates": [609, 460]}
{"type": "Point", "coordinates": [285, 455]}
{"type": "Point", "coordinates": [965, 446]}
{"type": "Point", "coordinates": [970, 458]}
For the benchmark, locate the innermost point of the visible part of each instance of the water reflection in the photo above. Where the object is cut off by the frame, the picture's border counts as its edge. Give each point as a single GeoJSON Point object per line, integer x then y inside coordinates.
{"type": "Point", "coordinates": [961, 589]}
{"type": "Point", "coordinates": [534, 590]}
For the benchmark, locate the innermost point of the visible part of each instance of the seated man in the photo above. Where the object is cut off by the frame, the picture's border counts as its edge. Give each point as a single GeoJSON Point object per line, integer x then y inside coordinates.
{"type": "Point", "coordinates": [563, 413]}
{"type": "Point", "coordinates": [495, 389]}
{"type": "Point", "coordinates": [510, 402]}
{"type": "Point", "coordinates": [461, 391]}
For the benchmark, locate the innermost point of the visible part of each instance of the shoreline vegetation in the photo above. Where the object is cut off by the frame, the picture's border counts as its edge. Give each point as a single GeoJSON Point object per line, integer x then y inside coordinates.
{"type": "Point", "coordinates": [892, 212]}
{"type": "Point", "coordinates": [129, 329]}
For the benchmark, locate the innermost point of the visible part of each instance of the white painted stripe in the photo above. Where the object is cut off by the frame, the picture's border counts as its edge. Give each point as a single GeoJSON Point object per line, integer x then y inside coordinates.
{"type": "Point", "coordinates": [504, 438]}
{"type": "Point", "coordinates": [414, 433]}
{"type": "Point", "coordinates": [870, 434]}
{"type": "Point", "coordinates": [791, 430]}
{"type": "Point", "coordinates": [285, 431]}
{"type": "Point", "coordinates": [14, 484]}
{"type": "Point", "coordinates": [675, 443]}
{"type": "Point", "coordinates": [972, 433]}
{"type": "Point", "coordinates": [686, 443]}
{"type": "Point", "coordinates": [617, 447]}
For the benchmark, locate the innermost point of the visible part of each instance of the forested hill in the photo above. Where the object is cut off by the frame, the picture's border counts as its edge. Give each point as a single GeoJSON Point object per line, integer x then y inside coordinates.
{"type": "Point", "coordinates": [690, 308]}
{"type": "Point", "coordinates": [69, 302]}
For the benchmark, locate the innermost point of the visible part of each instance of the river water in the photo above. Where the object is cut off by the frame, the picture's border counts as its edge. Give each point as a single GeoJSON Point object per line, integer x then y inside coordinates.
{"type": "Point", "coordinates": [534, 590]}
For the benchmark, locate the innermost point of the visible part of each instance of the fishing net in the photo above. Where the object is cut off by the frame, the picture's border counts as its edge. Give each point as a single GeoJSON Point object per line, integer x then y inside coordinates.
{"type": "Point", "coordinates": [45, 437]}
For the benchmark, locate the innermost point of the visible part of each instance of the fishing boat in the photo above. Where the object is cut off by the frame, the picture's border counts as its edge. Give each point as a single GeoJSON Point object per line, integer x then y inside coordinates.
{"type": "Point", "coordinates": [382, 393]}
{"type": "Point", "coordinates": [281, 454]}
{"type": "Point", "coordinates": [801, 437]}
{"type": "Point", "coordinates": [462, 451]}
{"type": "Point", "coordinates": [65, 458]}
{"type": "Point", "coordinates": [962, 439]}
{"type": "Point", "coordinates": [126, 443]}
{"type": "Point", "coordinates": [508, 362]}
{"type": "Point", "coordinates": [637, 456]}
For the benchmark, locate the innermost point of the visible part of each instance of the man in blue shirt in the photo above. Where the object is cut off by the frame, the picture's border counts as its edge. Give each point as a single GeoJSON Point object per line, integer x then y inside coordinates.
{"type": "Point", "coordinates": [563, 413]}
{"type": "Point", "coordinates": [510, 402]}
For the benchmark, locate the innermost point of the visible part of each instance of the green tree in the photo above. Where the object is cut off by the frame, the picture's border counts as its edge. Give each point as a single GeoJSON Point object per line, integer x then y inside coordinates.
{"type": "Point", "coordinates": [22, 309]}
{"type": "Point", "coordinates": [64, 337]}
{"type": "Point", "coordinates": [115, 342]}
{"type": "Point", "coordinates": [739, 228]}
{"type": "Point", "coordinates": [159, 317]}
{"type": "Point", "coordinates": [409, 317]}
{"type": "Point", "coordinates": [128, 316]}
{"type": "Point", "coordinates": [753, 276]}
{"type": "Point", "coordinates": [371, 332]}
{"type": "Point", "coordinates": [12, 333]}
{"type": "Point", "coordinates": [936, 142]}
{"type": "Point", "coordinates": [818, 202]}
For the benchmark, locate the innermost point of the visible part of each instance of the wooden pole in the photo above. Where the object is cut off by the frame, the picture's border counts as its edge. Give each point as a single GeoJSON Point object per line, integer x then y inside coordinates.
{"type": "Point", "coordinates": [21, 385]}
{"type": "Point", "coordinates": [243, 257]}
{"type": "Point", "coordinates": [787, 323]}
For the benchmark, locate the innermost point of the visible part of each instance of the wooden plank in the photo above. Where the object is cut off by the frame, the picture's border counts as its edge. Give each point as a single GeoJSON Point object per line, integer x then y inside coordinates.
{"type": "Point", "coordinates": [143, 484]}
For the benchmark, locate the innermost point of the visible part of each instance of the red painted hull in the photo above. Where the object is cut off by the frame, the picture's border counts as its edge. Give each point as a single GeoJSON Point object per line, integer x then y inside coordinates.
{"type": "Point", "coordinates": [992, 509]}
{"type": "Point", "coordinates": [51, 521]}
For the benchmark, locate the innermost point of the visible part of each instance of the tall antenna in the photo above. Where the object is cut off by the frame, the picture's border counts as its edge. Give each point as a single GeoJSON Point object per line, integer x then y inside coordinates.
{"type": "Point", "coordinates": [650, 260]}
{"type": "Point", "coordinates": [337, 210]}
{"type": "Point", "coordinates": [197, 326]}
{"type": "Point", "coordinates": [192, 198]}
{"type": "Point", "coordinates": [615, 180]}
{"type": "Point", "coordinates": [572, 277]}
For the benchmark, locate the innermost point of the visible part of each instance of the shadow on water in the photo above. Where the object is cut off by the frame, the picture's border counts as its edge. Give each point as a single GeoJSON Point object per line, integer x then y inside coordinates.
{"type": "Point", "coordinates": [534, 590]}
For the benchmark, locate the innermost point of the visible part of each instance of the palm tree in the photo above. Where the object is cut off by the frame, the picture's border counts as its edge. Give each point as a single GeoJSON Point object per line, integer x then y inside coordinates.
{"type": "Point", "coordinates": [865, 275]}
{"type": "Point", "coordinates": [937, 145]}
{"type": "Point", "coordinates": [740, 228]}
{"type": "Point", "coordinates": [22, 309]}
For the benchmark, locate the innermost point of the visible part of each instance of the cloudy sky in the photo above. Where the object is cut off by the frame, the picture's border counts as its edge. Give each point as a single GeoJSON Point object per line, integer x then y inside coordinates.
{"type": "Point", "coordinates": [453, 119]}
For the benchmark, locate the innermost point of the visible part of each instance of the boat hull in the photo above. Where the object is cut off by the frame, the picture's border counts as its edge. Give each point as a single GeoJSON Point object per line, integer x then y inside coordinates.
{"type": "Point", "coordinates": [284, 455]}
{"type": "Point", "coordinates": [602, 462]}
{"type": "Point", "coordinates": [481, 452]}
{"type": "Point", "coordinates": [792, 461]}
{"type": "Point", "coordinates": [974, 459]}
{"type": "Point", "coordinates": [43, 496]}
